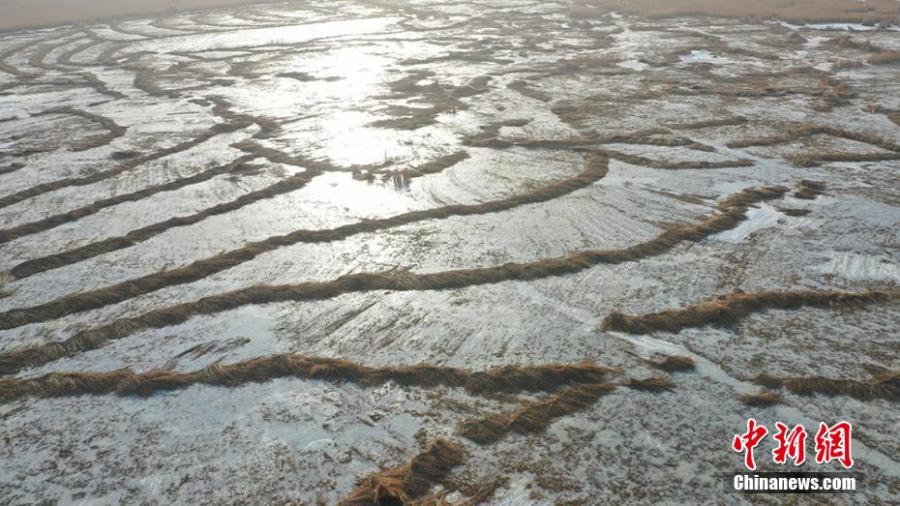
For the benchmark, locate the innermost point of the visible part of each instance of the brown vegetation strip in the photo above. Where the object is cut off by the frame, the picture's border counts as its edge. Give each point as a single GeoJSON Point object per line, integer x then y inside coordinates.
{"type": "Point", "coordinates": [798, 132]}
{"type": "Point", "coordinates": [404, 484]}
{"type": "Point", "coordinates": [8, 169]}
{"type": "Point", "coordinates": [115, 130]}
{"type": "Point", "coordinates": [885, 385]}
{"type": "Point", "coordinates": [434, 166]}
{"type": "Point", "coordinates": [651, 384]}
{"type": "Point", "coordinates": [437, 165]}
{"type": "Point", "coordinates": [41, 189]}
{"type": "Point", "coordinates": [595, 169]}
{"type": "Point", "coordinates": [732, 212]}
{"type": "Point", "coordinates": [50, 222]}
{"type": "Point", "coordinates": [761, 399]}
{"type": "Point", "coordinates": [885, 57]}
{"type": "Point", "coordinates": [673, 165]}
{"type": "Point", "coordinates": [92, 81]}
{"type": "Point", "coordinates": [222, 109]}
{"type": "Point", "coordinates": [731, 308]}
{"type": "Point", "coordinates": [534, 416]}
{"type": "Point", "coordinates": [31, 267]}
{"type": "Point", "coordinates": [697, 125]}
{"type": "Point", "coordinates": [815, 159]}
{"type": "Point", "coordinates": [506, 379]}
{"type": "Point", "coordinates": [674, 363]}
{"type": "Point", "coordinates": [809, 190]}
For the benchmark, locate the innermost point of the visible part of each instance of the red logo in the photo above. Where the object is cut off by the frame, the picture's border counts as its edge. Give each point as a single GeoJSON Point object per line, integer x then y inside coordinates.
{"type": "Point", "coordinates": [748, 441]}
{"type": "Point", "coordinates": [831, 443]}
{"type": "Point", "coordinates": [790, 444]}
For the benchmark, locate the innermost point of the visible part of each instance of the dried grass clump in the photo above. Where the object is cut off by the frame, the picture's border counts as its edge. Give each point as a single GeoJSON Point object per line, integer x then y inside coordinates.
{"type": "Point", "coordinates": [711, 123]}
{"type": "Point", "coordinates": [674, 165]}
{"type": "Point", "coordinates": [9, 169]}
{"type": "Point", "coordinates": [802, 130]}
{"type": "Point", "coordinates": [794, 212]}
{"type": "Point", "coordinates": [731, 308]}
{"type": "Point", "coordinates": [404, 484]}
{"type": "Point", "coordinates": [437, 165]}
{"type": "Point", "coordinates": [802, 160]}
{"type": "Point", "coordinates": [832, 93]}
{"type": "Point", "coordinates": [882, 386]}
{"type": "Point", "coordinates": [884, 57]}
{"type": "Point", "coordinates": [847, 42]}
{"type": "Point", "coordinates": [762, 399]}
{"type": "Point", "coordinates": [63, 384]}
{"type": "Point", "coordinates": [526, 90]}
{"type": "Point", "coordinates": [732, 211]}
{"type": "Point", "coordinates": [809, 190]}
{"type": "Point", "coordinates": [481, 493]}
{"type": "Point", "coordinates": [674, 363]}
{"type": "Point", "coordinates": [4, 280]}
{"type": "Point", "coordinates": [651, 384]}
{"type": "Point", "coordinates": [534, 416]}
{"type": "Point", "coordinates": [767, 380]}
{"type": "Point", "coordinates": [839, 156]}
{"type": "Point", "coordinates": [124, 155]}
{"type": "Point", "coordinates": [508, 379]}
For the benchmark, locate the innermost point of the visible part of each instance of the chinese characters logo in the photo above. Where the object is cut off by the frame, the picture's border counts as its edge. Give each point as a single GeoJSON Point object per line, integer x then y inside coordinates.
{"type": "Point", "coordinates": [832, 443]}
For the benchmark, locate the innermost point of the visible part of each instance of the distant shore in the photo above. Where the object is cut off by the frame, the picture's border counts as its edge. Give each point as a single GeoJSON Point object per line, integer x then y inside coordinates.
{"type": "Point", "coordinates": [19, 14]}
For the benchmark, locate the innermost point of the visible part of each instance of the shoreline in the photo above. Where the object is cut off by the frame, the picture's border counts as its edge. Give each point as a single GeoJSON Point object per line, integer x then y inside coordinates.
{"type": "Point", "coordinates": [50, 14]}
{"type": "Point", "coordinates": [75, 12]}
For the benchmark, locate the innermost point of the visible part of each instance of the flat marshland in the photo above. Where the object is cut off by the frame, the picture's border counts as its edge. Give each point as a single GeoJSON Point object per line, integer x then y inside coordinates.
{"type": "Point", "coordinates": [425, 252]}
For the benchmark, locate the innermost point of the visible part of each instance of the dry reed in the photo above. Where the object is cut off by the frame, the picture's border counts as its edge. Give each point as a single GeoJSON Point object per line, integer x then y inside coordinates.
{"type": "Point", "coordinates": [42, 225]}
{"type": "Point", "coordinates": [43, 188]}
{"type": "Point", "coordinates": [534, 416]}
{"type": "Point", "coordinates": [651, 384]}
{"type": "Point", "coordinates": [731, 212]}
{"type": "Point", "coordinates": [507, 379]}
{"type": "Point", "coordinates": [731, 308]}
{"type": "Point", "coordinates": [885, 385]}
{"type": "Point", "coordinates": [674, 363]}
{"type": "Point", "coordinates": [595, 169]}
{"type": "Point", "coordinates": [809, 190]}
{"type": "Point", "coordinates": [762, 399]}
{"type": "Point", "coordinates": [55, 261]}
{"type": "Point", "coordinates": [404, 484]}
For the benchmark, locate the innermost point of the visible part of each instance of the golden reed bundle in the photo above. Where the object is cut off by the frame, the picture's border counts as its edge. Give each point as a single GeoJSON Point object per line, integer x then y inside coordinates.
{"type": "Point", "coordinates": [506, 379]}
{"type": "Point", "coordinates": [885, 385]}
{"type": "Point", "coordinates": [403, 485]}
{"type": "Point", "coordinates": [534, 416]}
{"type": "Point", "coordinates": [731, 308]}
